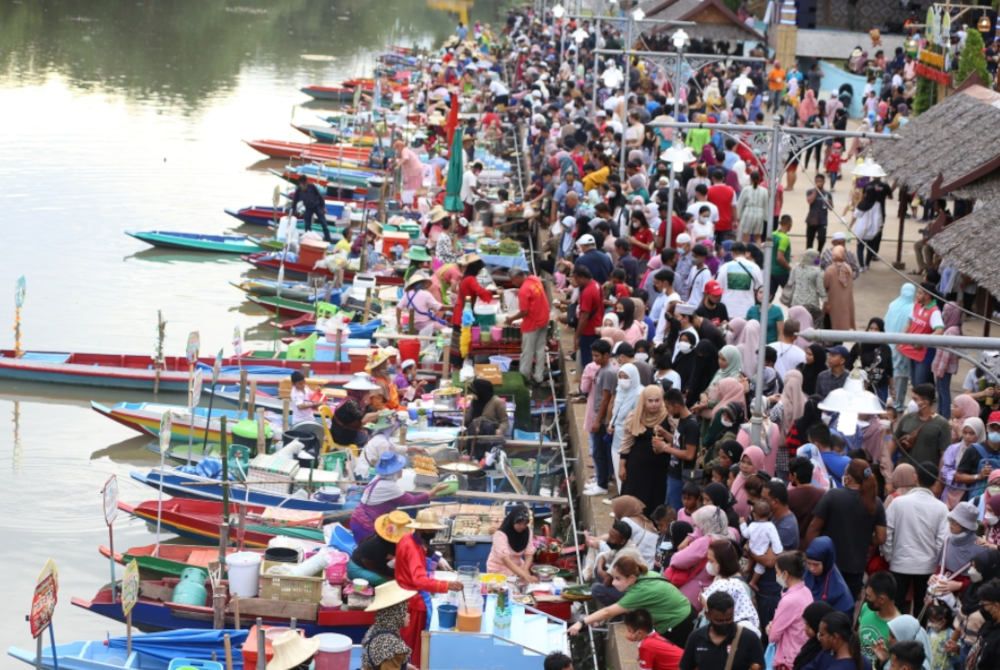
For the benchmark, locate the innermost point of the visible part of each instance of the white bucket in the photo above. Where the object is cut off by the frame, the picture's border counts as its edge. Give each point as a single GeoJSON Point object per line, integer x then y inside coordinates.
{"type": "Point", "coordinates": [244, 574]}
{"type": "Point", "coordinates": [485, 308]}
{"type": "Point", "coordinates": [363, 282]}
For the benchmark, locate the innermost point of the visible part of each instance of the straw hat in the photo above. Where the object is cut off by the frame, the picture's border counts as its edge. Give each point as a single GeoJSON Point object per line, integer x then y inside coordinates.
{"type": "Point", "coordinates": [387, 595]}
{"type": "Point", "coordinates": [427, 519]}
{"type": "Point", "coordinates": [392, 527]}
{"type": "Point", "coordinates": [375, 227]}
{"type": "Point", "coordinates": [437, 213]}
{"type": "Point", "coordinates": [418, 254]}
{"type": "Point", "coordinates": [379, 356]}
{"type": "Point", "coordinates": [469, 259]}
{"type": "Point", "coordinates": [415, 279]}
{"type": "Point", "coordinates": [292, 650]}
{"type": "Point", "coordinates": [435, 119]}
{"type": "Point", "coordinates": [360, 382]}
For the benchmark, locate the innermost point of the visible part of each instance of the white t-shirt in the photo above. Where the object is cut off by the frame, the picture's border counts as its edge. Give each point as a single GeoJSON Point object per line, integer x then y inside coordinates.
{"type": "Point", "coordinates": [661, 323]}
{"type": "Point", "coordinates": [469, 182]}
{"type": "Point", "coordinates": [789, 358]}
{"type": "Point", "coordinates": [674, 378]}
{"type": "Point", "coordinates": [739, 279]}
{"type": "Point", "coordinates": [695, 207]}
{"type": "Point", "coordinates": [971, 383]}
{"type": "Point", "coordinates": [645, 540]}
{"type": "Point", "coordinates": [698, 278]}
{"type": "Point", "coordinates": [297, 398]}
{"type": "Point", "coordinates": [497, 87]}
{"type": "Point", "coordinates": [701, 231]}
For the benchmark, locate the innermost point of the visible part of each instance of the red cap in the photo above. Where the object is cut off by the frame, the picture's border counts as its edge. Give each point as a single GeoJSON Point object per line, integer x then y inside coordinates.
{"type": "Point", "coordinates": [714, 288]}
{"type": "Point", "coordinates": [994, 418]}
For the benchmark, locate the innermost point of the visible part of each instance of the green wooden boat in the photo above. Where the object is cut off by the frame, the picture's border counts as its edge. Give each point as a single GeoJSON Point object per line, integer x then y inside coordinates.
{"type": "Point", "coordinates": [227, 244]}
{"type": "Point", "coordinates": [170, 560]}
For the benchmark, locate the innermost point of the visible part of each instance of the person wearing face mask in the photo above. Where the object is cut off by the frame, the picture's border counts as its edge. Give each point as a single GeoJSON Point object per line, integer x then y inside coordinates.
{"type": "Point", "coordinates": [979, 462]}
{"type": "Point", "coordinates": [957, 552]}
{"type": "Point", "coordinates": [655, 652]}
{"type": "Point", "coordinates": [985, 653]}
{"type": "Point", "coordinates": [615, 545]}
{"type": "Point", "coordinates": [788, 631]}
{"type": "Point", "coordinates": [673, 617]}
{"type": "Point", "coordinates": [643, 466]}
{"type": "Point", "coordinates": [839, 640]}
{"type": "Point", "coordinates": [923, 435]}
{"type": "Point", "coordinates": [724, 567]}
{"type": "Point", "coordinates": [722, 643]}
{"type": "Point", "coordinates": [878, 610]}
{"type": "Point", "coordinates": [372, 557]}
{"type": "Point", "coordinates": [626, 398]}
{"type": "Point", "coordinates": [485, 417]}
{"type": "Point", "coordinates": [991, 515]}
{"type": "Point", "coordinates": [916, 525]}
{"type": "Point", "coordinates": [833, 457]}
{"type": "Point", "coordinates": [969, 618]}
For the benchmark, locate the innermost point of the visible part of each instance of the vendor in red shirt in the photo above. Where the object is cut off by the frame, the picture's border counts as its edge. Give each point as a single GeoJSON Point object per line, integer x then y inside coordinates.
{"type": "Point", "coordinates": [590, 312]}
{"type": "Point", "coordinates": [655, 651]}
{"type": "Point", "coordinates": [412, 574]}
{"type": "Point", "coordinates": [722, 197]}
{"type": "Point", "coordinates": [468, 289]}
{"type": "Point", "coordinates": [642, 236]}
{"type": "Point", "coordinates": [676, 225]}
{"type": "Point", "coordinates": [533, 309]}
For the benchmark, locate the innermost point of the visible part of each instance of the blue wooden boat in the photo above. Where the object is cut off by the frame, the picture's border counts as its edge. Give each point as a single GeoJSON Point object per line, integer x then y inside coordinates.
{"type": "Point", "coordinates": [153, 651]}
{"type": "Point", "coordinates": [265, 216]}
{"type": "Point", "coordinates": [227, 244]}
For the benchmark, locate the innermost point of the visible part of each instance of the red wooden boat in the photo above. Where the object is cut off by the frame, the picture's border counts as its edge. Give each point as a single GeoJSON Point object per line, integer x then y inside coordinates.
{"type": "Point", "coordinates": [201, 519]}
{"type": "Point", "coordinates": [265, 261]}
{"type": "Point", "coordinates": [137, 371]}
{"type": "Point", "coordinates": [308, 150]}
{"type": "Point", "coordinates": [170, 560]}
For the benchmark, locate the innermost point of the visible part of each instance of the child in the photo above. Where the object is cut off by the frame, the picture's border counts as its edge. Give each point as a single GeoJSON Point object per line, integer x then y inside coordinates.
{"type": "Point", "coordinates": [662, 516]}
{"type": "Point", "coordinates": [655, 651]}
{"type": "Point", "coordinates": [754, 487]}
{"type": "Point", "coordinates": [691, 499]}
{"type": "Point", "coordinates": [762, 535]}
{"type": "Point", "coordinates": [939, 631]}
{"type": "Point", "coordinates": [616, 287]}
{"type": "Point", "coordinates": [833, 161]}
{"type": "Point", "coordinates": [720, 474]}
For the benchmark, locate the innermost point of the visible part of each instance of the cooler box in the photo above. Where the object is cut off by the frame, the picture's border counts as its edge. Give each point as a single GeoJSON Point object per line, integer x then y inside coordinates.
{"type": "Point", "coordinates": [472, 554]}
{"type": "Point", "coordinates": [392, 239]}
{"type": "Point", "coordinates": [359, 359]}
{"type": "Point", "coordinates": [310, 252]}
{"type": "Point", "coordinates": [327, 351]}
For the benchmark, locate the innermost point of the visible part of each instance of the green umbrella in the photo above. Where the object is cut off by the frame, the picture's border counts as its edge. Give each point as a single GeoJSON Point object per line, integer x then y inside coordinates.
{"type": "Point", "coordinates": [452, 201]}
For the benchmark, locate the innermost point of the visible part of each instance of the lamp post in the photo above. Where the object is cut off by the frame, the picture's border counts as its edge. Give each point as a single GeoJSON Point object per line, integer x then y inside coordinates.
{"type": "Point", "coordinates": [675, 156]}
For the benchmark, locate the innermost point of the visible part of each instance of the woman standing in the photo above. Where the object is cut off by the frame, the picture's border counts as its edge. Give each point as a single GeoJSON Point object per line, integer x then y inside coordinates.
{"type": "Point", "coordinates": [811, 369]}
{"type": "Point", "coordinates": [643, 469]}
{"type": "Point", "coordinates": [787, 631]}
{"type": "Point", "coordinates": [703, 371]}
{"type": "Point", "coordinates": [904, 480]}
{"type": "Point", "coordinates": [805, 285]}
{"type": "Point", "coordinates": [752, 208]}
{"type": "Point", "coordinates": [626, 399]}
{"type": "Point", "coordinates": [749, 347]}
{"type": "Point", "coordinates": [486, 418]}
{"type": "Point", "coordinates": [446, 249]}
{"type": "Point", "coordinates": [897, 318]}
{"type": "Point", "coordinates": [730, 364]}
{"type": "Point", "coordinates": [946, 363]}
{"type": "Point", "coordinates": [751, 462]}
{"type": "Point", "coordinates": [724, 565]}
{"type": "Point", "coordinates": [775, 317]}
{"type": "Point", "coordinates": [824, 579]}
{"type": "Point", "coordinates": [642, 237]}
{"type": "Point", "coordinates": [792, 404]}
{"type": "Point", "coordinates": [629, 323]}
{"type": "Point", "coordinates": [973, 432]}
{"type": "Point", "coordinates": [811, 656]}
{"type": "Point", "coordinates": [382, 647]}
{"type": "Point", "coordinates": [689, 566]}
{"type": "Point", "coordinates": [469, 291]}
{"type": "Point", "coordinates": [876, 360]}
{"type": "Point", "coordinates": [513, 551]}
{"type": "Point", "coordinates": [838, 280]}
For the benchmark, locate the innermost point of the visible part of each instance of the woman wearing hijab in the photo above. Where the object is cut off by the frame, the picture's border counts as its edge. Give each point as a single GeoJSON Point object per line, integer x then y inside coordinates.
{"type": "Point", "coordinates": [805, 283]}
{"type": "Point", "coordinates": [824, 579]}
{"type": "Point", "coordinates": [643, 469]}
{"type": "Point", "coordinates": [962, 407]}
{"type": "Point", "coordinates": [513, 551]}
{"type": "Point", "coordinates": [867, 225]}
{"type": "Point", "coordinates": [973, 432]}
{"type": "Point", "coordinates": [812, 656]}
{"type": "Point", "coordinates": [811, 415]}
{"type": "Point", "coordinates": [838, 280]}
{"type": "Point", "coordinates": [876, 360]}
{"type": "Point", "coordinates": [897, 318]}
{"type": "Point", "coordinates": [382, 647]}
{"type": "Point", "coordinates": [792, 404]}
{"type": "Point", "coordinates": [904, 480]}
{"type": "Point", "coordinates": [629, 510]}
{"type": "Point", "coordinates": [632, 327]}
{"type": "Point", "coordinates": [626, 398]}
{"type": "Point", "coordinates": [691, 562]}
{"type": "Point", "coordinates": [685, 357]}
{"type": "Point", "coordinates": [987, 567]}
{"type": "Point", "coordinates": [802, 315]}
{"type": "Point", "coordinates": [905, 628]}
{"type": "Point", "coordinates": [486, 418]}
{"type": "Point", "coordinates": [734, 331]}
{"type": "Point", "coordinates": [706, 364]}
{"type": "Point", "coordinates": [811, 369]}
{"type": "Point", "coordinates": [730, 363]}
{"type": "Point", "coordinates": [945, 363]}
{"type": "Point", "coordinates": [730, 453]}
{"type": "Point", "coordinates": [751, 462]}
{"type": "Point", "coordinates": [959, 548]}
{"type": "Point", "coordinates": [717, 494]}
{"type": "Point", "coordinates": [808, 106]}
{"type": "Point", "coordinates": [724, 427]}
{"type": "Point", "coordinates": [748, 347]}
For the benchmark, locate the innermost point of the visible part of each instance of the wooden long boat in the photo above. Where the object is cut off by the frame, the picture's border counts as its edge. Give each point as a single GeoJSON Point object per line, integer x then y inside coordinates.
{"type": "Point", "coordinates": [283, 149]}
{"type": "Point", "coordinates": [341, 93]}
{"type": "Point", "coordinates": [330, 135]}
{"type": "Point", "coordinates": [267, 261]}
{"type": "Point", "coordinates": [227, 244]}
{"type": "Point", "coordinates": [170, 560]}
{"type": "Point", "coordinates": [283, 306]}
{"type": "Point", "coordinates": [345, 190]}
{"type": "Point", "coordinates": [144, 418]}
{"type": "Point", "coordinates": [153, 611]}
{"type": "Point", "coordinates": [264, 216]}
{"type": "Point", "coordinates": [125, 371]}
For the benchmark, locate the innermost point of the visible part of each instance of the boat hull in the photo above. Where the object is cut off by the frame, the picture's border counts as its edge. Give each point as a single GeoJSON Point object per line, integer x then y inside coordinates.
{"type": "Point", "coordinates": [192, 242]}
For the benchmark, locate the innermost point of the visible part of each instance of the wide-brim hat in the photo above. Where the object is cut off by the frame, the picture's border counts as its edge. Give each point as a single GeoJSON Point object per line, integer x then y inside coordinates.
{"type": "Point", "coordinates": [427, 519]}
{"type": "Point", "coordinates": [418, 254]}
{"type": "Point", "coordinates": [390, 462]}
{"type": "Point", "coordinates": [292, 650]}
{"type": "Point", "coordinates": [416, 279]}
{"type": "Point", "coordinates": [389, 594]}
{"type": "Point", "coordinates": [380, 356]}
{"type": "Point", "coordinates": [469, 259]}
{"type": "Point", "coordinates": [435, 120]}
{"type": "Point", "coordinates": [361, 382]}
{"type": "Point", "coordinates": [438, 213]}
{"type": "Point", "coordinates": [392, 527]}
{"type": "Point", "coordinates": [375, 227]}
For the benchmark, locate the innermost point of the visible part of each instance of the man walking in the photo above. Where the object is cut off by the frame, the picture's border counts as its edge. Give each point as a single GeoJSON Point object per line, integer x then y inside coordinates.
{"type": "Point", "coordinates": [533, 307]}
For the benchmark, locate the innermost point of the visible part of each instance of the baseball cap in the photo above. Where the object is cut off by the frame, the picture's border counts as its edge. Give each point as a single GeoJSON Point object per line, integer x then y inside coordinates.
{"type": "Point", "coordinates": [839, 236]}
{"type": "Point", "coordinates": [683, 238]}
{"type": "Point", "coordinates": [714, 288]}
{"type": "Point", "coordinates": [586, 240]}
{"type": "Point", "coordinates": [994, 418]}
{"type": "Point", "coordinates": [841, 350]}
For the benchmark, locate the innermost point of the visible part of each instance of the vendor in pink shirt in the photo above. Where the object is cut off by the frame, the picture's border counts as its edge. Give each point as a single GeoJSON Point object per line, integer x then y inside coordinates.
{"type": "Point", "coordinates": [788, 629]}
{"type": "Point", "coordinates": [513, 552]}
{"type": "Point", "coordinates": [426, 310]}
{"type": "Point", "coordinates": [444, 280]}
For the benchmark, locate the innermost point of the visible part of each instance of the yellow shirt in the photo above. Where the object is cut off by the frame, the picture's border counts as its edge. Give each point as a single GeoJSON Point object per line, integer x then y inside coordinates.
{"type": "Point", "coordinates": [342, 245]}
{"type": "Point", "coordinates": [595, 179]}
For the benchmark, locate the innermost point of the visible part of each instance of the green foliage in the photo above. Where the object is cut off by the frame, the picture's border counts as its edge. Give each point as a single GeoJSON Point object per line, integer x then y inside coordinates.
{"type": "Point", "coordinates": [972, 59]}
{"type": "Point", "coordinates": [924, 97]}
{"type": "Point", "coordinates": [735, 4]}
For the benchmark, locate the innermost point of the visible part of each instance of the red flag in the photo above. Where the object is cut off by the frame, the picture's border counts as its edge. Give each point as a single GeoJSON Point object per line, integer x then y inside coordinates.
{"type": "Point", "coordinates": [452, 123]}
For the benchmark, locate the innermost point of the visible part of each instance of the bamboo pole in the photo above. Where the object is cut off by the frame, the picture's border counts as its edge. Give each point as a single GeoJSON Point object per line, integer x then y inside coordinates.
{"type": "Point", "coordinates": [243, 391]}
{"type": "Point", "coordinates": [229, 651]}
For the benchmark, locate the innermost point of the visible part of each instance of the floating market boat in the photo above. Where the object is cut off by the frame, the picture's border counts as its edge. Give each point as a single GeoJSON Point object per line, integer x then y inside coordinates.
{"type": "Point", "coordinates": [170, 560]}
{"type": "Point", "coordinates": [144, 418]}
{"type": "Point", "coordinates": [265, 216]}
{"type": "Point", "coordinates": [331, 135]}
{"type": "Point", "coordinates": [289, 289]}
{"type": "Point", "coordinates": [283, 149]}
{"type": "Point", "coordinates": [227, 244]}
{"type": "Point", "coordinates": [126, 371]}
{"type": "Point", "coordinates": [283, 306]}
{"type": "Point", "coordinates": [268, 261]}
{"type": "Point", "coordinates": [341, 93]}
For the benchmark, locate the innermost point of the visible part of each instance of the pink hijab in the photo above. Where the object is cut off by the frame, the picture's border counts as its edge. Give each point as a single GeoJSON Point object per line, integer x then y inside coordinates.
{"type": "Point", "coordinates": [736, 328]}
{"type": "Point", "coordinates": [616, 335]}
{"type": "Point", "coordinates": [793, 400]}
{"type": "Point", "coordinates": [756, 456]}
{"type": "Point", "coordinates": [802, 315]}
{"type": "Point", "coordinates": [808, 106]}
{"type": "Point", "coordinates": [748, 346]}
{"type": "Point", "coordinates": [968, 405]}
{"type": "Point", "coordinates": [730, 390]}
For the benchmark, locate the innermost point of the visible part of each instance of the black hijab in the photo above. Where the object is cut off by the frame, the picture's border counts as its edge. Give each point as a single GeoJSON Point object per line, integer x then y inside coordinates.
{"type": "Point", "coordinates": [987, 562]}
{"type": "Point", "coordinates": [811, 415]}
{"type": "Point", "coordinates": [810, 371]}
{"type": "Point", "coordinates": [679, 530]}
{"type": "Point", "coordinates": [518, 541]}
{"type": "Point", "coordinates": [868, 350]}
{"type": "Point", "coordinates": [733, 449]}
{"type": "Point", "coordinates": [483, 390]}
{"type": "Point", "coordinates": [683, 364]}
{"type": "Point", "coordinates": [813, 614]}
{"type": "Point", "coordinates": [706, 364]}
{"type": "Point", "coordinates": [723, 499]}
{"type": "Point", "coordinates": [627, 316]}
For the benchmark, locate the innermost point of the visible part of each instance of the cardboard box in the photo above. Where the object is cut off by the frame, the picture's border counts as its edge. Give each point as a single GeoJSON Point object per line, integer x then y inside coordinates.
{"type": "Point", "coordinates": [490, 373]}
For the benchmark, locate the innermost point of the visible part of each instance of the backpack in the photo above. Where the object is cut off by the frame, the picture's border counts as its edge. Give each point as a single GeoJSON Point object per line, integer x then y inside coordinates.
{"type": "Point", "coordinates": [984, 457]}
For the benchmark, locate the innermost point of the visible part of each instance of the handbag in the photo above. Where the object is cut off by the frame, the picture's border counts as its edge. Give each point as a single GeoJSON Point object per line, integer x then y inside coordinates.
{"type": "Point", "coordinates": [681, 576]}
{"type": "Point", "coordinates": [788, 289]}
{"type": "Point", "coordinates": [876, 562]}
{"type": "Point", "coordinates": [812, 219]}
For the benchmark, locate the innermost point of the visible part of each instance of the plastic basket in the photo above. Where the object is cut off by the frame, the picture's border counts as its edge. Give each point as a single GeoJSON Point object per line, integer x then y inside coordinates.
{"type": "Point", "coordinates": [292, 589]}
{"type": "Point", "coordinates": [337, 570]}
{"type": "Point", "coordinates": [502, 362]}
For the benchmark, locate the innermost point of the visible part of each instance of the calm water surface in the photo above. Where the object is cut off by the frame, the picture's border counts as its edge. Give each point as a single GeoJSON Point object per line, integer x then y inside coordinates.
{"type": "Point", "coordinates": [122, 116]}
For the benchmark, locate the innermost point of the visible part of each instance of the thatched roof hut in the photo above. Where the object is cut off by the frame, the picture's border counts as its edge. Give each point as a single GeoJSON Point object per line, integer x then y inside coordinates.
{"type": "Point", "coordinates": [714, 20]}
{"type": "Point", "coordinates": [953, 144]}
{"type": "Point", "coordinates": [966, 243]}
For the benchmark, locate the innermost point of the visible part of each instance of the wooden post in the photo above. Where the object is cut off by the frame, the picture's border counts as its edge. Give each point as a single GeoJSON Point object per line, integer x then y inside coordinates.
{"type": "Point", "coordinates": [446, 363]}
{"type": "Point", "coordinates": [252, 402]}
{"type": "Point", "coordinates": [229, 650]}
{"type": "Point", "coordinates": [241, 528]}
{"type": "Point", "coordinates": [413, 324]}
{"type": "Point", "coordinates": [368, 305]}
{"type": "Point", "coordinates": [223, 543]}
{"type": "Point", "coordinates": [261, 438]}
{"type": "Point", "coordinates": [243, 390]}
{"type": "Point", "coordinates": [904, 203]}
{"type": "Point", "coordinates": [236, 611]}
{"type": "Point", "coordinates": [261, 646]}
{"type": "Point", "coordinates": [305, 370]}
{"type": "Point", "coordinates": [285, 409]}
{"type": "Point", "coordinates": [219, 607]}
{"type": "Point", "coordinates": [128, 633]}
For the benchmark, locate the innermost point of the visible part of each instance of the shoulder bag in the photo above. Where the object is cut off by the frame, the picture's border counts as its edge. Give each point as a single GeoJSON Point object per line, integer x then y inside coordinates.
{"type": "Point", "coordinates": [734, 647]}
{"type": "Point", "coordinates": [908, 440]}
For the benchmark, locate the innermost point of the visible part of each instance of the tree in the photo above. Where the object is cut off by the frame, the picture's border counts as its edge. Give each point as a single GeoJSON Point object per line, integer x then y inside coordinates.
{"type": "Point", "coordinates": [972, 59]}
{"type": "Point", "coordinates": [924, 98]}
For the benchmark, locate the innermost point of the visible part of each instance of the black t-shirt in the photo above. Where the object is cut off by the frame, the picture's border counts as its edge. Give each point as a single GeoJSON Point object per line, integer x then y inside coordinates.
{"type": "Point", "coordinates": [716, 315]}
{"type": "Point", "coordinates": [687, 433]}
{"type": "Point", "coordinates": [849, 526]}
{"type": "Point", "coordinates": [969, 465]}
{"type": "Point", "coordinates": [378, 551]}
{"type": "Point", "coordinates": [702, 654]}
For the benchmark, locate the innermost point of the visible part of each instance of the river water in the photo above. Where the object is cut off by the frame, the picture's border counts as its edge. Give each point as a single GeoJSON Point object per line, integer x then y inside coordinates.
{"type": "Point", "coordinates": [129, 116]}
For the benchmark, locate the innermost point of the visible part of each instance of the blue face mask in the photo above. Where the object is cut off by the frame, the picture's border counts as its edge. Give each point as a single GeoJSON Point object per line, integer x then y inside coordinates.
{"type": "Point", "coordinates": [993, 437]}
{"type": "Point", "coordinates": [392, 369]}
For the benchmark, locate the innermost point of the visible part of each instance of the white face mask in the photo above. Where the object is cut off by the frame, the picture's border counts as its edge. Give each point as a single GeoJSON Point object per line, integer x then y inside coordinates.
{"type": "Point", "coordinates": [704, 219]}
{"type": "Point", "coordinates": [684, 347]}
{"type": "Point", "coordinates": [827, 418]}
{"type": "Point", "coordinates": [991, 518]}
{"type": "Point", "coordinates": [912, 406]}
{"type": "Point", "coordinates": [993, 490]}
{"type": "Point", "coordinates": [975, 575]}
{"type": "Point", "coordinates": [727, 424]}
{"type": "Point", "coordinates": [625, 384]}
{"type": "Point", "coordinates": [712, 568]}
{"type": "Point", "coordinates": [642, 357]}
{"type": "Point", "coordinates": [781, 581]}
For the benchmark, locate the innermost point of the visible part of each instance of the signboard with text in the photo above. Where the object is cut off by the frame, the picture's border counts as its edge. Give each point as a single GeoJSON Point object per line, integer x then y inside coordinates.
{"type": "Point", "coordinates": [43, 604]}
{"type": "Point", "coordinates": [130, 587]}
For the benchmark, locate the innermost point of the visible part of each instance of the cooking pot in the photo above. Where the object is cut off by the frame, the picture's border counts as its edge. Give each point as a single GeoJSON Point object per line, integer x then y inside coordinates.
{"type": "Point", "coordinates": [447, 398]}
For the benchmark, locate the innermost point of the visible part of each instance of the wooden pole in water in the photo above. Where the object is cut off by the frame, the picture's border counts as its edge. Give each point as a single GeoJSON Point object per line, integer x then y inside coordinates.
{"type": "Point", "coordinates": [128, 633]}
{"type": "Point", "coordinates": [446, 363]}
{"type": "Point", "coordinates": [261, 437]}
{"type": "Point", "coordinates": [368, 305]}
{"type": "Point", "coordinates": [241, 528]}
{"type": "Point", "coordinates": [243, 391]}
{"type": "Point", "coordinates": [158, 363]}
{"type": "Point", "coordinates": [252, 400]}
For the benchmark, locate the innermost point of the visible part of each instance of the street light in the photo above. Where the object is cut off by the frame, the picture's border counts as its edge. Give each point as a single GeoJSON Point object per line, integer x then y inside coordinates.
{"type": "Point", "coordinates": [558, 11]}
{"type": "Point", "coordinates": [676, 157]}
{"type": "Point", "coordinates": [679, 38]}
{"type": "Point", "coordinates": [869, 168]}
{"type": "Point", "coordinates": [579, 35]}
{"type": "Point", "coordinates": [638, 14]}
